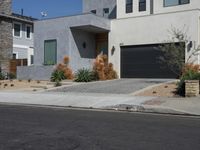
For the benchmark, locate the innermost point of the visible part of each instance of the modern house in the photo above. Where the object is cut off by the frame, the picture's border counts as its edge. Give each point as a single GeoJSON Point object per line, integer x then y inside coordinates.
{"type": "Point", "coordinates": [129, 31]}
{"type": "Point", "coordinates": [16, 35]}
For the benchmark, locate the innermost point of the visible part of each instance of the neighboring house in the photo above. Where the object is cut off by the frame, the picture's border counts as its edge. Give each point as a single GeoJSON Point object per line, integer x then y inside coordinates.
{"type": "Point", "coordinates": [23, 37]}
{"type": "Point", "coordinates": [16, 35]}
{"type": "Point", "coordinates": [129, 31]}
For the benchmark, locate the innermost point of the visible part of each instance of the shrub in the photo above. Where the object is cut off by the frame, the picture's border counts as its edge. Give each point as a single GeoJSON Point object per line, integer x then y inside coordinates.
{"type": "Point", "coordinates": [57, 83]}
{"type": "Point", "coordinates": [11, 76]}
{"type": "Point", "coordinates": [103, 69]}
{"type": "Point", "coordinates": [2, 76]}
{"type": "Point", "coordinates": [84, 75]}
{"type": "Point", "coordinates": [64, 68]}
{"type": "Point", "coordinates": [190, 67]}
{"type": "Point", "coordinates": [57, 76]}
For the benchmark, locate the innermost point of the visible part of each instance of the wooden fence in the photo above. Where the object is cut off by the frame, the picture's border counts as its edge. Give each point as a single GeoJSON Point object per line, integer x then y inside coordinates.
{"type": "Point", "coordinates": [17, 62]}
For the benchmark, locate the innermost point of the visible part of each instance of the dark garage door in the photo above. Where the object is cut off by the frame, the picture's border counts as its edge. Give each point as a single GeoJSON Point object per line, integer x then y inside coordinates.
{"type": "Point", "coordinates": [142, 62]}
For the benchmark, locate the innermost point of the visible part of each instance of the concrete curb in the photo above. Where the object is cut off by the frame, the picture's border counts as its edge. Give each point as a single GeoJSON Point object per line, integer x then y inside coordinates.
{"type": "Point", "coordinates": [117, 108]}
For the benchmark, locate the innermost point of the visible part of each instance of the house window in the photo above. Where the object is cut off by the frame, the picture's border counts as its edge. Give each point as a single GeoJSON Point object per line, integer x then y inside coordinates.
{"type": "Point", "coordinates": [106, 10]}
{"type": "Point", "coordinates": [93, 11]}
{"type": "Point", "coordinates": [28, 31]}
{"type": "Point", "coordinates": [32, 57]}
{"type": "Point", "coordinates": [175, 2]}
{"type": "Point", "coordinates": [142, 5]}
{"type": "Point", "coordinates": [17, 29]}
{"type": "Point", "coordinates": [129, 6]}
{"type": "Point", "coordinates": [50, 52]}
{"type": "Point", "coordinates": [14, 56]}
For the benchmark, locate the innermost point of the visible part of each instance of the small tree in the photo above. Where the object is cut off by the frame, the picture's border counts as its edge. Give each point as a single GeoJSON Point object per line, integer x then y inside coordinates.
{"type": "Point", "coordinates": [174, 51]}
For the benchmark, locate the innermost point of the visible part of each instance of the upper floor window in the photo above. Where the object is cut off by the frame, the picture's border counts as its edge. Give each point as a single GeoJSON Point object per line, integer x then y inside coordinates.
{"type": "Point", "coordinates": [175, 2]}
{"type": "Point", "coordinates": [17, 29]}
{"type": "Point", "coordinates": [93, 11]}
{"type": "Point", "coordinates": [129, 6]}
{"type": "Point", "coordinates": [142, 5]}
{"type": "Point", "coordinates": [105, 11]}
{"type": "Point", "coordinates": [28, 31]}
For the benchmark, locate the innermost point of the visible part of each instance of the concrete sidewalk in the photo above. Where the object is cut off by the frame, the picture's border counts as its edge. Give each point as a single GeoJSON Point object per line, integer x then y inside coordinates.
{"type": "Point", "coordinates": [190, 106]}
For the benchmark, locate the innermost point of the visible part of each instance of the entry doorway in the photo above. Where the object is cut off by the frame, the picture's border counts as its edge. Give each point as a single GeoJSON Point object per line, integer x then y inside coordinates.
{"type": "Point", "coordinates": [102, 43]}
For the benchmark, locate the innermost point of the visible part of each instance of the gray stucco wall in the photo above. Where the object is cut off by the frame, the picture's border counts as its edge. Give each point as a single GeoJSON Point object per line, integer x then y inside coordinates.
{"type": "Point", "coordinates": [68, 42]}
{"type": "Point", "coordinates": [34, 72]}
{"type": "Point", "coordinates": [99, 5]}
{"type": "Point", "coordinates": [86, 54]}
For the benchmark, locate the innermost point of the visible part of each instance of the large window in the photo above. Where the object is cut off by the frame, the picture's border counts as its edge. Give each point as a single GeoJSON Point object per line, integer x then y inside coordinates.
{"type": "Point", "coordinates": [142, 5]}
{"type": "Point", "coordinates": [28, 31]}
{"type": "Point", "coordinates": [17, 29]}
{"type": "Point", "coordinates": [50, 52]}
{"type": "Point", "coordinates": [129, 6]}
{"type": "Point", "coordinates": [175, 2]}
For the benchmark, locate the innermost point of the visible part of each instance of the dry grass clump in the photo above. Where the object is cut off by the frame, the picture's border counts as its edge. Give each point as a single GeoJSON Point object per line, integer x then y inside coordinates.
{"type": "Point", "coordinates": [103, 69]}
{"type": "Point", "coordinates": [64, 67]}
{"type": "Point", "coordinates": [191, 67]}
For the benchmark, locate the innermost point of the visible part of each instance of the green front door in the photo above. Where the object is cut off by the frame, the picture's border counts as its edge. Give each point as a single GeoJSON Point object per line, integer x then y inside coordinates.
{"type": "Point", "coordinates": [50, 52]}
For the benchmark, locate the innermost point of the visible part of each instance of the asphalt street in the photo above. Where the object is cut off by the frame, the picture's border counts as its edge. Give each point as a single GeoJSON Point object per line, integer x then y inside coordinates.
{"type": "Point", "coordinates": [31, 128]}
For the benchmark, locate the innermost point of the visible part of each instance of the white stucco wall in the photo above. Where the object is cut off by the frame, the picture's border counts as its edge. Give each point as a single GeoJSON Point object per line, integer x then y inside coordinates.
{"type": "Point", "coordinates": [151, 29]}
{"type": "Point", "coordinates": [158, 7]}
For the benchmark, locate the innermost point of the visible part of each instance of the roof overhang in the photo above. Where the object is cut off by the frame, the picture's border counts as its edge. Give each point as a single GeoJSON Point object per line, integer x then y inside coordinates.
{"type": "Point", "coordinates": [15, 18]}
{"type": "Point", "coordinates": [92, 23]}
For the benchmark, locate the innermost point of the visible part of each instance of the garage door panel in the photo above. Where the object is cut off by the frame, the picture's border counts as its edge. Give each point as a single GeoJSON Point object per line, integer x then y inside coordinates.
{"type": "Point", "coordinates": [143, 62]}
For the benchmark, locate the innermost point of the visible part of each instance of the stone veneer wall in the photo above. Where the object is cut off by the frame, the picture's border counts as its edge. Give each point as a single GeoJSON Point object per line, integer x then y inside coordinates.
{"type": "Point", "coordinates": [191, 88]}
{"type": "Point", "coordinates": [6, 37]}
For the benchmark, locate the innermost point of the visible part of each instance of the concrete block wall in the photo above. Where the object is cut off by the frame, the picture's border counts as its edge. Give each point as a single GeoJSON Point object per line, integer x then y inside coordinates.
{"type": "Point", "coordinates": [34, 72]}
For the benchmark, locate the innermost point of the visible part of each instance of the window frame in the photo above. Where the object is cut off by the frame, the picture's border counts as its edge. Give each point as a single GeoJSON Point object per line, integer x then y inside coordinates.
{"type": "Point", "coordinates": [31, 59]}
{"type": "Point", "coordinates": [129, 6]}
{"type": "Point", "coordinates": [179, 3]}
{"type": "Point", "coordinates": [145, 4]}
{"type": "Point", "coordinates": [31, 30]}
{"type": "Point", "coordinates": [94, 11]}
{"type": "Point", "coordinates": [46, 64]}
{"type": "Point", "coordinates": [17, 23]}
{"type": "Point", "coordinates": [106, 11]}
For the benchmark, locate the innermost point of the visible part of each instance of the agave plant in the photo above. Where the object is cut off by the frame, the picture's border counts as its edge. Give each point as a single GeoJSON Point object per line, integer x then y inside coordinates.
{"type": "Point", "coordinates": [57, 76]}
{"type": "Point", "coordinates": [84, 75]}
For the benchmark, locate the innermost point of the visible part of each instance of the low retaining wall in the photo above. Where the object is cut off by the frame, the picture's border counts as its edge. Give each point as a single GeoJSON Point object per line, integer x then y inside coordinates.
{"type": "Point", "coordinates": [34, 72]}
{"type": "Point", "coordinates": [191, 88]}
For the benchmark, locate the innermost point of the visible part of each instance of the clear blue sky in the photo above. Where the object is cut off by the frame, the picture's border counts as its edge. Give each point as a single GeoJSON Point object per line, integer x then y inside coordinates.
{"type": "Point", "coordinates": [54, 8]}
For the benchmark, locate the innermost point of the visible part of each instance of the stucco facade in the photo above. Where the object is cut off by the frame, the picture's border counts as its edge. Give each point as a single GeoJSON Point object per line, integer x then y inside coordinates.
{"type": "Point", "coordinates": [76, 35]}
{"type": "Point", "coordinates": [140, 28]}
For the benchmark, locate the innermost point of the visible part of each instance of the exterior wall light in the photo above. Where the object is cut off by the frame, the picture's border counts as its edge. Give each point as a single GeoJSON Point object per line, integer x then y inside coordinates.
{"type": "Point", "coordinates": [113, 50]}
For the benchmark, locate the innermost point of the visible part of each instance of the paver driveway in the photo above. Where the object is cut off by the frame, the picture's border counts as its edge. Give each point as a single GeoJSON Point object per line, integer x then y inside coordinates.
{"type": "Point", "coordinates": [121, 86]}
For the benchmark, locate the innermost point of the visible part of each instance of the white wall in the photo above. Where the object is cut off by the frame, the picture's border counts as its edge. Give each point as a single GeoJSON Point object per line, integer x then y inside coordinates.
{"type": "Point", "coordinates": [158, 8]}
{"type": "Point", "coordinates": [150, 30]}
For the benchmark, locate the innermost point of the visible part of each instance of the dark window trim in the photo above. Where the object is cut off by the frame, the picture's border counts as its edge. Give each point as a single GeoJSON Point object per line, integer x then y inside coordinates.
{"type": "Point", "coordinates": [179, 3]}
{"type": "Point", "coordinates": [56, 52]}
{"type": "Point", "coordinates": [140, 5]}
{"type": "Point", "coordinates": [129, 5]}
{"type": "Point", "coordinates": [94, 11]}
